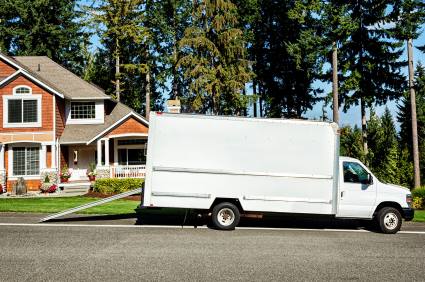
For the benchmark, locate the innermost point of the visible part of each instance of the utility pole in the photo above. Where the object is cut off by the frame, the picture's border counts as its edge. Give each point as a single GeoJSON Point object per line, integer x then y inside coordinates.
{"type": "Point", "coordinates": [413, 111]}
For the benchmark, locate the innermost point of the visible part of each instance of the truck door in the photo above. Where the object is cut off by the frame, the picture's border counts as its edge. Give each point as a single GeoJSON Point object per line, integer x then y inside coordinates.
{"type": "Point", "coordinates": [357, 191]}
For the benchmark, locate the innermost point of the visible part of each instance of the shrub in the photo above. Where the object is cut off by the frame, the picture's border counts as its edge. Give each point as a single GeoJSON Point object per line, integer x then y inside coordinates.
{"type": "Point", "coordinates": [418, 203]}
{"type": "Point", "coordinates": [418, 198]}
{"type": "Point", "coordinates": [419, 192]}
{"type": "Point", "coordinates": [116, 185]}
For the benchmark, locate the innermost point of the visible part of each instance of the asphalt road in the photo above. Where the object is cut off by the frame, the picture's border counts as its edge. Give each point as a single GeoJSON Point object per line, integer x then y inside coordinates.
{"type": "Point", "coordinates": [85, 251]}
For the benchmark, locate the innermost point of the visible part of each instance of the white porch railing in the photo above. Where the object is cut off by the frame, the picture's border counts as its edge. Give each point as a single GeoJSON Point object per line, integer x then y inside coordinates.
{"type": "Point", "coordinates": [128, 171]}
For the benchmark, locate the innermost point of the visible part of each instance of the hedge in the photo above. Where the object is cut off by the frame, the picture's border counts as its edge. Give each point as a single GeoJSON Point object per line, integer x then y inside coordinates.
{"type": "Point", "coordinates": [419, 198]}
{"type": "Point", "coordinates": [116, 185]}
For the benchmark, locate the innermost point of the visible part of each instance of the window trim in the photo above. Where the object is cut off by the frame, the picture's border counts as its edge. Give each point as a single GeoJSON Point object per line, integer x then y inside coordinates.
{"type": "Point", "coordinates": [7, 124]}
{"type": "Point", "coordinates": [22, 86]}
{"type": "Point", "coordinates": [82, 102]}
{"type": "Point", "coordinates": [99, 113]}
{"type": "Point", "coordinates": [10, 161]}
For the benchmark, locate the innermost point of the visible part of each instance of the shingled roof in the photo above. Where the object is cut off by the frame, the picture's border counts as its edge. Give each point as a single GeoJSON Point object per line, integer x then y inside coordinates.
{"type": "Point", "coordinates": [83, 133]}
{"type": "Point", "coordinates": [64, 81]}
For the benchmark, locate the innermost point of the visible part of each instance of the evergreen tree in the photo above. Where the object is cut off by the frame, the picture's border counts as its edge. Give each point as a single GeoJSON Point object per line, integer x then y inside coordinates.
{"type": "Point", "coordinates": [43, 28]}
{"type": "Point", "coordinates": [351, 143]}
{"type": "Point", "coordinates": [286, 51]}
{"type": "Point", "coordinates": [120, 26]}
{"type": "Point", "coordinates": [337, 26]}
{"type": "Point", "coordinates": [404, 118]}
{"type": "Point", "coordinates": [168, 20]}
{"type": "Point", "coordinates": [214, 59]}
{"type": "Point", "coordinates": [369, 60]}
{"type": "Point", "coordinates": [409, 16]}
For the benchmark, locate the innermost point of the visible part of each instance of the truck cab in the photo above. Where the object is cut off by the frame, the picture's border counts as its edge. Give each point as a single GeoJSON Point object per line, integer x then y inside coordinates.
{"type": "Point", "coordinates": [363, 195]}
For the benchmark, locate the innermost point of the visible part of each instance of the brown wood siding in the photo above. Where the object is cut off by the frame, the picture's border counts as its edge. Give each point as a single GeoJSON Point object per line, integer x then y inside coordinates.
{"type": "Point", "coordinates": [131, 125]}
{"type": "Point", "coordinates": [48, 156]}
{"type": "Point", "coordinates": [46, 105]}
{"type": "Point", "coordinates": [6, 69]}
{"type": "Point", "coordinates": [60, 116]}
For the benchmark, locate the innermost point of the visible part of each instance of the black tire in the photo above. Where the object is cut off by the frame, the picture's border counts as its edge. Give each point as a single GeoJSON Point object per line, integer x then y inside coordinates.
{"type": "Point", "coordinates": [389, 220]}
{"type": "Point", "coordinates": [219, 213]}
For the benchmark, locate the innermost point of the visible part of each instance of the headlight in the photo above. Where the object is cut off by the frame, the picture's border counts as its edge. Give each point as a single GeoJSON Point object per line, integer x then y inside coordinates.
{"type": "Point", "coordinates": [409, 200]}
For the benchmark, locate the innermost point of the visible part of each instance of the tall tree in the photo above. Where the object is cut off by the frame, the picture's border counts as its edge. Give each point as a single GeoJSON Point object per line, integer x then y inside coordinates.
{"type": "Point", "coordinates": [369, 60]}
{"type": "Point", "coordinates": [168, 21]}
{"type": "Point", "coordinates": [120, 23]}
{"type": "Point", "coordinates": [337, 25]}
{"type": "Point", "coordinates": [43, 28]}
{"type": "Point", "coordinates": [214, 59]}
{"type": "Point", "coordinates": [286, 54]}
{"type": "Point", "coordinates": [409, 16]}
{"type": "Point", "coordinates": [405, 118]}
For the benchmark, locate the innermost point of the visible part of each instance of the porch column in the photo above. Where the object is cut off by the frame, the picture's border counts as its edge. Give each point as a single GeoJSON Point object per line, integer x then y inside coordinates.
{"type": "Point", "coordinates": [115, 152]}
{"type": "Point", "coordinates": [107, 152]}
{"type": "Point", "coordinates": [53, 153]}
{"type": "Point", "coordinates": [99, 152]}
{"type": "Point", "coordinates": [43, 156]}
{"type": "Point", "coordinates": [2, 157]}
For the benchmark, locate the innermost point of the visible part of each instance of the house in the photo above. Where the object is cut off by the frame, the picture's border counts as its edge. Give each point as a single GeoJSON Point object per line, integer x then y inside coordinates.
{"type": "Point", "coordinates": [50, 118]}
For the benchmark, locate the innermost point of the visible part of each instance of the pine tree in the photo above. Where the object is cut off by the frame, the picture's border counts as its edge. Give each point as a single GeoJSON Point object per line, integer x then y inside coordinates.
{"type": "Point", "coordinates": [351, 143]}
{"type": "Point", "coordinates": [43, 28]}
{"type": "Point", "coordinates": [409, 16]}
{"type": "Point", "coordinates": [214, 59]}
{"type": "Point", "coordinates": [335, 18]}
{"type": "Point", "coordinates": [369, 60]}
{"type": "Point", "coordinates": [120, 24]}
{"type": "Point", "coordinates": [404, 118]}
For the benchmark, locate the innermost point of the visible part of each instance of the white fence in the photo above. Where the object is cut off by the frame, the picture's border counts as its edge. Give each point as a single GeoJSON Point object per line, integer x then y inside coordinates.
{"type": "Point", "coordinates": [128, 171]}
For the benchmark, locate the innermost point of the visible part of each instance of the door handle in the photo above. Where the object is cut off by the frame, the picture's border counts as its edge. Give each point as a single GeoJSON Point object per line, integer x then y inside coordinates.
{"type": "Point", "coordinates": [342, 194]}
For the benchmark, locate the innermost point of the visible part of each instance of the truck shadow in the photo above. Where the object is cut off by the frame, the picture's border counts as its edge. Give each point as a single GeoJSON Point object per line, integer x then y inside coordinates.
{"type": "Point", "coordinates": [178, 217]}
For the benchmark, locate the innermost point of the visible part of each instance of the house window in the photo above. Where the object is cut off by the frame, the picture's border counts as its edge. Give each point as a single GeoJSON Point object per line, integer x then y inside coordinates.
{"type": "Point", "coordinates": [131, 157]}
{"type": "Point", "coordinates": [22, 90]}
{"type": "Point", "coordinates": [22, 110]}
{"type": "Point", "coordinates": [83, 110]}
{"type": "Point", "coordinates": [26, 161]}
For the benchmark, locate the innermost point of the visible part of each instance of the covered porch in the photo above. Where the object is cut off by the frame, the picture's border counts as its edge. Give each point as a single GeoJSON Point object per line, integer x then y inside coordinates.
{"type": "Point", "coordinates": [113, 157]}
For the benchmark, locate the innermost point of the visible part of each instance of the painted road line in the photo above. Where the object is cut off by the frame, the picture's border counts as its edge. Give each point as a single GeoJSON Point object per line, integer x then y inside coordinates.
{"type": "Point", "coordinates": [192, 227]}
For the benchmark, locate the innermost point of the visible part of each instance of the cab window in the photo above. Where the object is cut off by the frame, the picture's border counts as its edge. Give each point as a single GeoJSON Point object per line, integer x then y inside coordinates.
{"type": "Point", "coordinates": [354, 173]}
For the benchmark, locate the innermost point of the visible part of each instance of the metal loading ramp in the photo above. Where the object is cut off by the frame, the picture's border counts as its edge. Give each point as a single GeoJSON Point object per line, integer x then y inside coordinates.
{"type": "Point", "coordinates": [92, 204]}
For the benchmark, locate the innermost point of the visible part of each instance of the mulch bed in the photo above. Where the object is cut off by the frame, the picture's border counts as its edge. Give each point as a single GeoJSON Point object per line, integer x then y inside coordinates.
{"type": "Point", "coordinates": [100, 195]}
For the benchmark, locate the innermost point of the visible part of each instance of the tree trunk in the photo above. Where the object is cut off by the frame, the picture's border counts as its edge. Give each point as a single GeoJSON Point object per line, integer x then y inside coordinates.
{"type": "Point", "coordinates": [148, 93]}
{"type": "Point", "coordinates": [335, 82]}
{"type": "Point", "coordinates": [364, 129]}
{"type": "Point", "coordinates": [254, 90]}
{"type": "Point", "coordinates": [413, 112]}
{"type": "Point", "coordinates": [117, 71]}
{"type": "Point", "coordinates": [261, 100]}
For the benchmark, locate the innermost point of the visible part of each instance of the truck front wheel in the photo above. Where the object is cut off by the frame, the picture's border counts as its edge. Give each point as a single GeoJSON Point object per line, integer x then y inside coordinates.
{"type": "Point", "coordinates": [389, 220]}
{"type": "Point", "coordinates": [225, 216]}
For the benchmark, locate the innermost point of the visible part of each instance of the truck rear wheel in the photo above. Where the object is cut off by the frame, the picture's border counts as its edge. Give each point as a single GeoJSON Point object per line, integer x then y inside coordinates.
{"type": "Point", "coordinates": [225, 216]}
{"type": "Point", "coordinates": [389, 220]}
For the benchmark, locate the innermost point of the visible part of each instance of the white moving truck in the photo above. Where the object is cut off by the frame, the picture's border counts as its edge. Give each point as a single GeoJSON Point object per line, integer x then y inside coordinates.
{"type": "Point", "coordinates": [228, 166]}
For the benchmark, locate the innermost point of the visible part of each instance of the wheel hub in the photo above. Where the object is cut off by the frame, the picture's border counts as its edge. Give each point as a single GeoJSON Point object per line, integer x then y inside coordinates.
{"type": "Point", "coordinates": [391, 221]}
{"type": "Point", "coordinates": [226, 217]}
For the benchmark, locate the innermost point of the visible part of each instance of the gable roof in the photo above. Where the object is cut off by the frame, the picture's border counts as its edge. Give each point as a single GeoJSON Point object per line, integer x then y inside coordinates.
{"type": "Point", "coordinates": [87, 133]}
{"type": "Point", "coordinates": [28, 74]}
{"type": "Point", "coordinates": [70, 85]}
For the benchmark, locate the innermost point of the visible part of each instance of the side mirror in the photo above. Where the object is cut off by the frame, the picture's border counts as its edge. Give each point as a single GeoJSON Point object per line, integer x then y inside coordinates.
{"type": "Point", "coordinates": [369, 180]}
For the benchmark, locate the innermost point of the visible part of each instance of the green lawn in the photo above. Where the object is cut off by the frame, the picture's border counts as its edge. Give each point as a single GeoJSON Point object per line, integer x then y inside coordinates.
{"type": "Point", "coordinates": [419, 216]}
{"type": "Point", "coordinates": [52, 205]}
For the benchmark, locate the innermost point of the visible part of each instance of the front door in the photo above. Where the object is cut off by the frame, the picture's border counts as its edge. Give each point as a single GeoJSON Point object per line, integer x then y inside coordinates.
{"type": "Point", "coordinates": [79, 160]}
{"type": "Point", "coordinates": [357, 196]}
